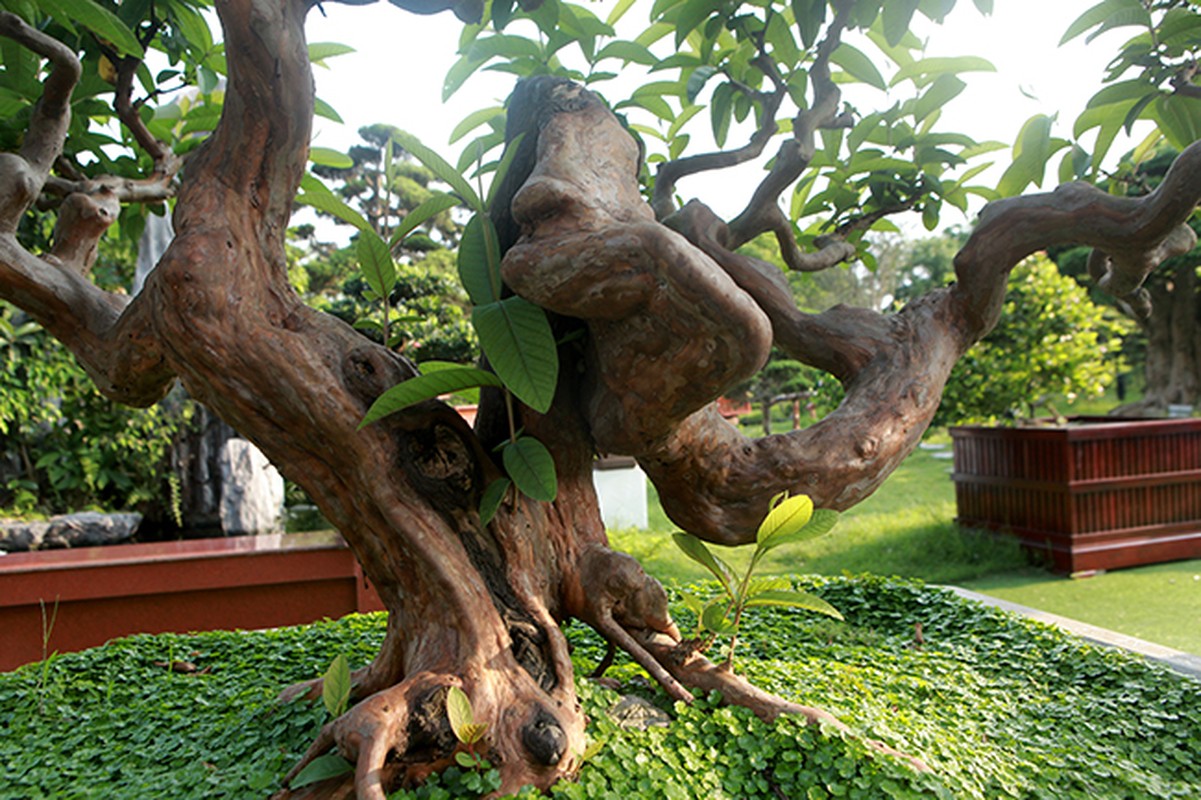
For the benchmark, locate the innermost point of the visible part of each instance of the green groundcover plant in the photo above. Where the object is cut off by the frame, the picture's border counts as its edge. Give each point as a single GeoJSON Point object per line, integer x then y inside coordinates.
{"type": "Point", "coordinates": [998, 706]}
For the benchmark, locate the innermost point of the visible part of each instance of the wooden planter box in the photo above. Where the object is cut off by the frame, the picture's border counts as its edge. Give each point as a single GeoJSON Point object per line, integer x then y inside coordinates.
{"type": "Point", "coordinates": [1091, 495]}
{"type": "Point", "coordinates": [202, 584]}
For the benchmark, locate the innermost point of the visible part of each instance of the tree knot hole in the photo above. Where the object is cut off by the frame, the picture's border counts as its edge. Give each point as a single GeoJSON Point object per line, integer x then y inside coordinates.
{"type": "Point", "coordinates": [544, 738]}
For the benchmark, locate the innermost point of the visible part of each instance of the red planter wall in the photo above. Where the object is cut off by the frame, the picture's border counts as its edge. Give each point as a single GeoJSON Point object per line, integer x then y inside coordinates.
{"type": "Point", "coordinates": [204, 584]}
{"type": "Point", "coordinates": [1092, 495]}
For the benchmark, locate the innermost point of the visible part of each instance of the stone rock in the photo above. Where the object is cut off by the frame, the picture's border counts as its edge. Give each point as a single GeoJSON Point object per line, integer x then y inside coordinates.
{"type": "Point", "coordinates": [635, 712]}
{"type": "Point", "coordinates": [85, 529]}
{"type": "Point", "coordinates": [252, 491]}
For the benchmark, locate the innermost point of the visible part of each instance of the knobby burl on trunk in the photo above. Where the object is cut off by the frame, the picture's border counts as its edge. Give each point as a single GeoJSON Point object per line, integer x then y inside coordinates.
{"type": "Point", "coordinates": [673, 317]}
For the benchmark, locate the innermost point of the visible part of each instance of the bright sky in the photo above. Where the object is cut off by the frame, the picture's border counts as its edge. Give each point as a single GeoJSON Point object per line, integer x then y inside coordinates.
{"type": "Point", "coordinates": [395, 77]}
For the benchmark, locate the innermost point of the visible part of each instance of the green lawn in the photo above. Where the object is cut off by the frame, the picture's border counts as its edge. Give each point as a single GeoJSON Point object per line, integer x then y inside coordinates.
{"type": "Point", "coordinates": [906, 528]}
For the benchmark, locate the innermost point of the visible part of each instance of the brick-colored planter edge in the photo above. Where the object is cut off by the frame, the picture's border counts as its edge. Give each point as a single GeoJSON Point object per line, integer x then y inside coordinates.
{"type": "Point", "coordinates": [96, 594]}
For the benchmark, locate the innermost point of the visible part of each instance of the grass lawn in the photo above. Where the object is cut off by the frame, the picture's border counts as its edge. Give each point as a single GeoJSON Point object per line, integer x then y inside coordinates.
{"type": "Point", "coordinates": [906, 528]}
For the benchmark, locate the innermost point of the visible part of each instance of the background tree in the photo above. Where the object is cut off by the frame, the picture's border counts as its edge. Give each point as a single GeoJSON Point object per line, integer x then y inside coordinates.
{"type": "Point", "coordinates": [1052, 346]}
{"type": "Point", "coordinates": [650, 311]}
{"type": "Point", "coordinates": [1151, 80]}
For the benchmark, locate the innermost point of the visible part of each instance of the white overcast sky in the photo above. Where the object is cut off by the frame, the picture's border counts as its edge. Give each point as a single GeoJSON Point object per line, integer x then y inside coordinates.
{"type": "Point", "coordinates": [395, 77]}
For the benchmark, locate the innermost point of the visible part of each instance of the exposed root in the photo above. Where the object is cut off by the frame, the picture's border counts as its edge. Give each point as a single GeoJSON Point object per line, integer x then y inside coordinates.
{"type": "Point", "coordinates": [692, 669]}
{"type": "Point", "coordinates": [366, 735]}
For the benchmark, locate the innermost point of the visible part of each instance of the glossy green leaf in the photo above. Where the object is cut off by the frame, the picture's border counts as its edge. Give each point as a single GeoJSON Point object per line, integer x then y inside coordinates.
{"type": "Point", "coordinates": [895, 17]}
{"type": "Point", "coordinates": [441, 169]}
{"type": "Point", "coordinates": [944, 89]}
{"type": "Point", "coordinates": [1179, 119]}
{"type": "Point", "coordinates": [1099, 15]}
{"type": "Point", "coordinates": [532, 468]}
{"type": "Point", "coordinates": [474, 120]}
{"type": "Point", "coordinates": [427, 387]}
{"type": "Point", "coordinates": [696, 82]}
{"type": "Point", "coordinates": [375, 261]}
{"type": "Point", "coordinates": [494, 495]}
{"type": "Point", "coordinates": [321, 768]}
{"type": "Point", "coordinates": [856, 64]}
{"type": "Point", "coordinates": [720, 110]}
{"type": "Point", "coordinates": [789, 515]}
{"type": "Point", "coordinates": [322, 199]}
{"type": "Point", "coordinates": [714, 617]}
{"type": "Point", "coordinates": [516, 337]}
{"type": "Point", "coordinates": [939, 65]}
{"type": "Point", "coordinates": [328, 157]}
{"type": "Point", "coordinates": [502, 169]}
{"type": "Point", "coordinates": [479, 260]}
{"type": "Point", "coordinates": [335, 686]}
{"type": "Point", "coordinates": [458, 711]}
{"type": "Point", "coordinates": [324, 109]}
{"type": "Point", "coordinates": [820, 523]}
{"type": "Point", "coordinates": [628, 52]}
{"type": "Point", "coordinates": [690, 14]}
{"type": "Point", "coordinates": [794, 599]}
{"type": "Point", "coordinates": [319, 51]}
{"type": "Point", "coordinates": [424, 212]}
{"type": "Point", "coordinates": [96, 18]}
{"type": "Point", "coordinates": [695, 549]}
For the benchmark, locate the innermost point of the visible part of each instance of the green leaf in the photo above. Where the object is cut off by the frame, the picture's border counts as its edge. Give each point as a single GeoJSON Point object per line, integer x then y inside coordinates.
{"type": "Point", "coordinates": [97, 19]}
{"type": "Point", "coordinates": [720, 109]}
{"type": "Point", "coordinates": [944, 89]}
{"type": "Point", "coordinates": [788, 516]}
{"type": "Point", "coordinates": [532, 468]}
{"type": "Point", "coordinates": [335, 686]}
{"type": "Point", "coordinates": [714, 618]}
{"type": "Point", "coordinates": [1099, 15]}
{"type": "Point", "coordinates": [479, 260]}
{"type": "Point", "coordinates": [442, 170]}
{"type": "Point", "coordinates": [427, 387]}
{"type": "Point", "coordinates": [325, 200]}
{"type": "Point", "coordinates": [1179, 119]}
{"type": "Point", "coordinates": [516, 337]}
{"type": "Point", "coordinates": [896, 16]}
{"type": "Point", "coordinates": [494, 495]}
{"type": "Point", "coordinates": [458, 710]}
{"type": "Point", "coordinates": [821, 523]}
{"type": "Point", "coordinates": [321, 768]}
{"type": "Point", "coordinates": [695, 549]}
{"type": "Point", "coordinates": [319, 51]}
{"type": "Point", "coordinates": [940, 65]}
{"type": "Point", "coordinates": [502, 169]}
{"type": "Point", "coordinates": [856, 64]}
{"type": "Point", "coordinates": [465, 760]}
{"type": "Point", "coordinates": [794, 599]}
{"type": "Point", "coordinates": [691, 13]}
{"type": "Point", "coordinates": [324, 109]}
{"type": "Point", "coordinates": [627, 52]}
{"type": "Point", "coordinates": [475, 119]}
{"type": "Point", "coordinates": [375, 260]}
{"type": "Point", "coordinates": [697, 80]}
{"type": "Point", "coordinates": [425, 211]}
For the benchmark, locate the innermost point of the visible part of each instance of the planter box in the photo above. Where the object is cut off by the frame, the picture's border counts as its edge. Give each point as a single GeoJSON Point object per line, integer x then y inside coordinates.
{"type": "Point", "coordinates": [203, 584]}
{"type": "Point", "coordinates": [1095, 494]}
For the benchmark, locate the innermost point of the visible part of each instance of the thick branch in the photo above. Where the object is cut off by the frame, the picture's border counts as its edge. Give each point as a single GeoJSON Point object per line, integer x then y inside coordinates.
{"type": "Point", "coordinates": [114, 343]}
{"type": "Point", "coordinates": [48, 127]}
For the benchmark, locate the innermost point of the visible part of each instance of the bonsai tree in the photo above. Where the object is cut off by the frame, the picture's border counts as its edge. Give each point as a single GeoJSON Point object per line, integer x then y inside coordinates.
{"type": "Point", "coordinates": [654, 315]}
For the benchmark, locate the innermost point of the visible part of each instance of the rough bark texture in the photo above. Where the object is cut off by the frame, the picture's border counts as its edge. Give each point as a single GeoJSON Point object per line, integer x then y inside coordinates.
{"type": "Point", "coordinates": [673, 319]}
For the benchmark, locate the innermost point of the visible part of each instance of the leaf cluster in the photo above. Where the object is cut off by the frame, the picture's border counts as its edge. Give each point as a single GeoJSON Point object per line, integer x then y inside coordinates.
{"type": "Point", "coordinates": [998, 705]}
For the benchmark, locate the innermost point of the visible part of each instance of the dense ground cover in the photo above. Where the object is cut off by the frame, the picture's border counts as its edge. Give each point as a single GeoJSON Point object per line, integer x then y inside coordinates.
{"type": "Point", "coordinates": [907, 528]}
{"type": "Point", "coordinates": [998, 706]}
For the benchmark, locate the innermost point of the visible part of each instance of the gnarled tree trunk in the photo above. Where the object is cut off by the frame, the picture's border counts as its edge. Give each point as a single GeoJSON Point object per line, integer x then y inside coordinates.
{"type": "Point", "coordinates": [673, 318]}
